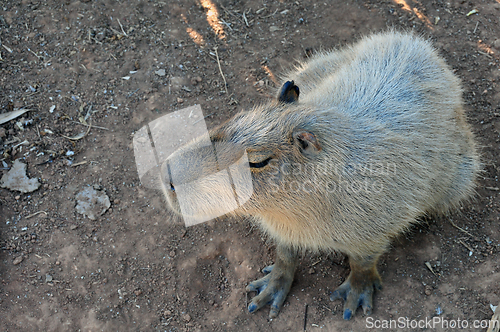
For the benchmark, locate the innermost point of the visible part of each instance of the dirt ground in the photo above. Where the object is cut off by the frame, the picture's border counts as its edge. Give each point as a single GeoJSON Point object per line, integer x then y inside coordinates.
{"type": "Point", "coordinates": [121, 64]}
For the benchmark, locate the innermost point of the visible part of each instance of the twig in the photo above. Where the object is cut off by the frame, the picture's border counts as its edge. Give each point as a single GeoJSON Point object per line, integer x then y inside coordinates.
{"type": "Point", "coordinates": [38, 131]}
{"type": "Point", "coordinates": [79, 136]}
{"type": "Point", "coordinates": [38, 56]}
{"type": "Point", "coordinates": [461, 229]}
{"type": "Point", "coordinates": [121, 26]}
{"type": "Point", "coordinates": [78, 164]}
{"type": "Point", "coordinates": [494, 323]}
{"type": "Point", "coordinates": [226, 24]}
{"type": "Point", "coordinates": [313, 264]}
{"type": "Point", "coordinates": [7, 48]}
{"type": "Point", "coordinates": [305, 318]}
{"type": "Point", "coordinates": [130, 94]}
{"type": "Point", "coordinates": [245, 18]}
{"type": "Point", "coordinates": [229, 12]}
{"type": "Point", "coordinates": [483, 53]}
{"type": "Point", "coordinates": [34, 214]}
{"type": "Point", "coordinates": [271, 14]}
{"type": "Point", "coordinates": [477, 23]}
{"type": "Point", "coordinates": [83, 124]}
{"type": "Point", "coordinates": [465, 245]}
{"type": "Point", "coordinates": [22, 143]}
{"type": "Point", "coordinates": [220, 69]}
{"type": "Point", "coordinates": [429, 266]}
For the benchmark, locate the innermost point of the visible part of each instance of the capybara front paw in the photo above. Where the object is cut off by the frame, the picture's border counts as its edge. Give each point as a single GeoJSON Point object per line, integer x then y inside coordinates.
{"type": "Point", "coordinates": [271, 289]}
{"type": "Point", "coordinates": [359, 295]}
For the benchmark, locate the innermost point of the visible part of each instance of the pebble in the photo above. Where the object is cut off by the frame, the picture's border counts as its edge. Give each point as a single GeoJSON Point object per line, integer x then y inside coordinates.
{"type": "Point", "coordinates": [196, 80]}
{"type": "Point", "coordinates": [160, 72]}
{"type": "Point", "coordinates": [138, 292]}
{"type": "Point", "coordinates": [186, 317]}
{"type": "Point", "coordinates": [3, 132]}
{"type": "Point", "coordinates": [428, 290]}
{"type": "Point", "coordinates": [18, 260]}
{"type": "Point", "coordinates": [48, 278]}
{"type": "Point", "coordinates": [496, 43]}
{"type": "Point", "coordinates": [180, 100]}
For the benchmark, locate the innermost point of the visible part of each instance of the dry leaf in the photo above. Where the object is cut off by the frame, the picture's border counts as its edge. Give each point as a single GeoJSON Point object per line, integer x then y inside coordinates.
{"type": "Point", "coordinates": [6, 117]}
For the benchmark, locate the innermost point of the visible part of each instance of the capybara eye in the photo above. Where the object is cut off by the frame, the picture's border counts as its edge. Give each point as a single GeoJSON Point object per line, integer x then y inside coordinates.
{"type": "Point", "coordinates": [261, 164]}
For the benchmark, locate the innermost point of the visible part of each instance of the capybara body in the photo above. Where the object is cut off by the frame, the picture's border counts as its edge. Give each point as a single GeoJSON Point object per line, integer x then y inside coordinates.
{"type": "Point", "coordinates": [377, 138]}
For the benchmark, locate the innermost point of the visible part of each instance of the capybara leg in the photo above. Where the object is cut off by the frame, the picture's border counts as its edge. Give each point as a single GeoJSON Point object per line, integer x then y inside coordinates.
{"type": "Point", "coordinates": [359, 287]}
{"type": "Point", "coordinates": [273, 288]}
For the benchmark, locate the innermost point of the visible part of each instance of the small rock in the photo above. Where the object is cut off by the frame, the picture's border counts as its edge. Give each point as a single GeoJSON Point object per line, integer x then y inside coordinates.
{"type": "Point", "coordinates": [160, 72]}
{"type": "Point", "coordinates": [428, 290]}
{"type": "Point", "coordinates": [17, 197]}
{"type": "Point", "coordinates": [196, 80]}
{"type": "Point", "coordinates": [180, 100]}
{"type": "Point", "coordinates": [92, 203]}
{"type": "Point", "coordinates": [58, 263]}
{"type": "Point", "coordinates": [18, 260]}
{"type": "Point", "coordinates": [274, 28]}
{"type": "Point", "coordinates": [48, 278]}
{"type": "Point", "coordinates": [3, 132]}
{"type": "Point", "coordinates": [138, 292]}
{"type": "Point", "coordinates": [186, 317]}
{"type": "Point", "coordinates": [172, 253]}
{"type": "Point", "coordinates": [167, 313]}
{"type": "Point", "coordinates": [311, 271]}
{"type": "Point", "coordinates": [16, 179]}
{"type": "Point", "coordinates": [496, 43]}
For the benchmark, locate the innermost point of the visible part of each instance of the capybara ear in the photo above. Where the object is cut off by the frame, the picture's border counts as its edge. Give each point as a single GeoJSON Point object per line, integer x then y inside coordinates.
{"type": "Point", "coordinates": [306, 141]}
{"type": "Point", "coordinates": [289, 93]}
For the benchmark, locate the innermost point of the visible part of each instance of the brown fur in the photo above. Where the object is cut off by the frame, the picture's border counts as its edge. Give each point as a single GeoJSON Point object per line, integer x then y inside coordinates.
{"type": "Point", "coordinates": [386, 115]}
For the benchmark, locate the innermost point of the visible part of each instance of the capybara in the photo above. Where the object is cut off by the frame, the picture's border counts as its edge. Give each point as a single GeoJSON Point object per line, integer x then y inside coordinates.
{"type": "Point", "coordinates": [358, 144]}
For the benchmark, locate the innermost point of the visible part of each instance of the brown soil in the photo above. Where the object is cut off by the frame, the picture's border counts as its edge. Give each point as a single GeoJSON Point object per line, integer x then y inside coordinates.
{"type": "Point", "coordinates": [137, 268]}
